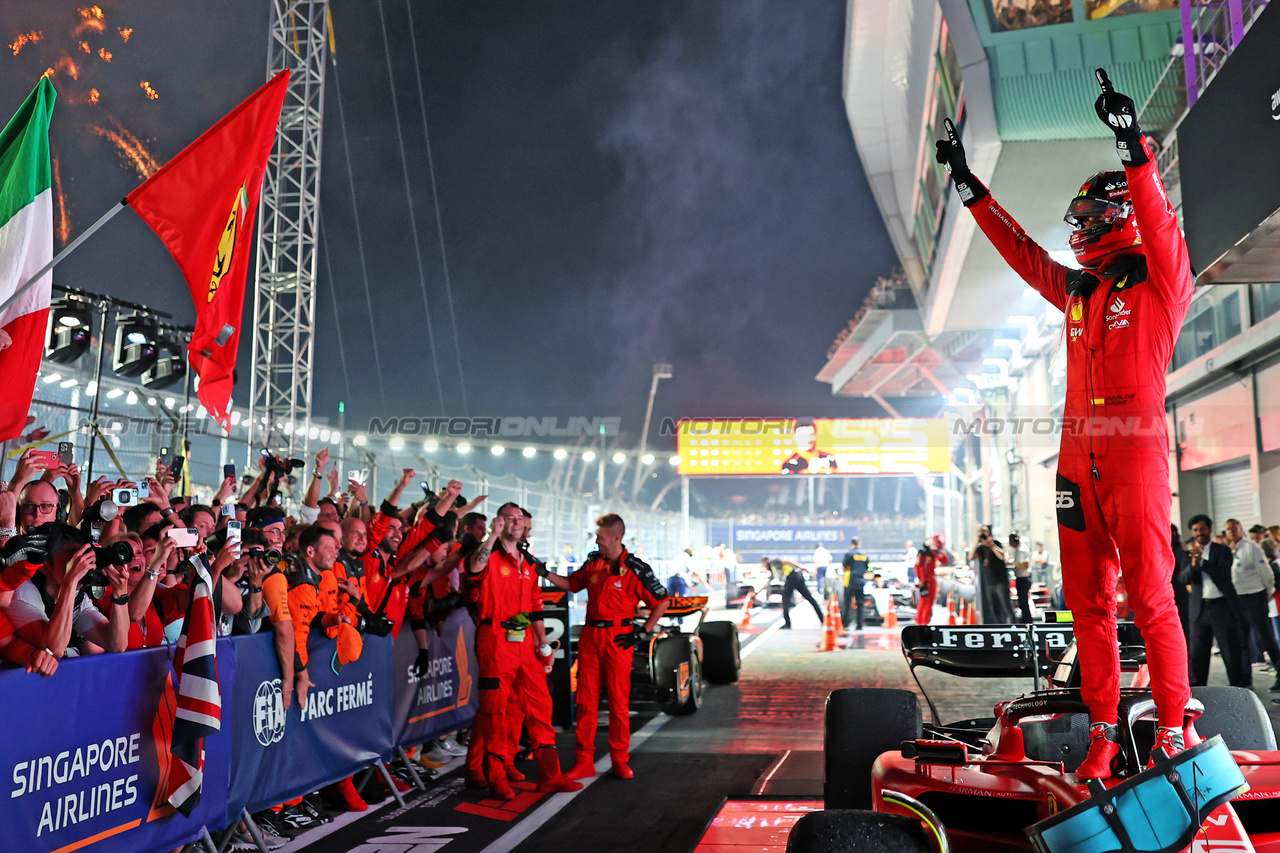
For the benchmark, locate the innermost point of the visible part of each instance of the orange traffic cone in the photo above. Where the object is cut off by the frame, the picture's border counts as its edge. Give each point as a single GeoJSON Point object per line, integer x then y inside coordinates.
{"type": "Point", "coordinates": [973, 613]}
{"type": "Point", "coordinates": [951, 610]}
{"type": "Point", "coordinates": [828, 643]}
{"type": "Point", "coordinates": [745, 621]}
{"type": "Point", "coordinates": [891, 617]}
{"type": "Point", "coordinates": [834, 610]}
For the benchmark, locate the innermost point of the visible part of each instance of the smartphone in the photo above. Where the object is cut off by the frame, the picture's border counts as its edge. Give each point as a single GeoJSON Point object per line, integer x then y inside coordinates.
{"type": "Point", "coordinates": [144, 490]}
{"type": "Point", "coordinates": [164, 456]}
{"type": "Point", "coordinates": [227, 510]}
{"type": "Point", "coordinates": [66, 453]}
{"type": "Point", "coordinates": [233, 529]}
{"type": "Point", "coordinates": [124, 497]}
{"type": "Point", "coordinates": [45, 459]}
{"type": "Point", "coordinates": [183, 538]}
{"type": "Point", "coordinates": [175, 467]}
{"type": "Point", "coordinates": [229, 470]}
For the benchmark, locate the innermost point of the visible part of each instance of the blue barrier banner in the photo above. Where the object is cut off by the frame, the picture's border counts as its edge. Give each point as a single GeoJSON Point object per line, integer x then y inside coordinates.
{"type": "Point", "coordinates": [345, 726]}
{"type": "Point", "coordinates": [446, 699]}
{"type": "Point", "coordinates": [81, 760]}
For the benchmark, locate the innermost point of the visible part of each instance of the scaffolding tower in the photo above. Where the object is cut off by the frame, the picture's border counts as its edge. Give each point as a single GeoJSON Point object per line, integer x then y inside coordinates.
{"type": "Point", "coordinates": [284, 301]}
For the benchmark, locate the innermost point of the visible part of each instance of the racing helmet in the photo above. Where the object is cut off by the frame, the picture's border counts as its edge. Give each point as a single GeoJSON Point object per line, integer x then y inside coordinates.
{"type": "Point", "coordinates": [1102, 217]}
{"type": "Point", "coordinates": [938, 541]}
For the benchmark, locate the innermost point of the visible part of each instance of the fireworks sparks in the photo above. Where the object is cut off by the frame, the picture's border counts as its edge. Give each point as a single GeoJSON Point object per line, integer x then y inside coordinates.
{"type": "Point", "coordinates": [91, 21]}
{"type": "Point", "coordinates": [65, 65]}
{"type": "Point", "coordinates": [132, 151]}
{"type": "Point", "coordinates": [74, 56]}
{"type": "Point", "coordinates": [25, 39]}
{"type": "Point", "coordinates": [64, 216]}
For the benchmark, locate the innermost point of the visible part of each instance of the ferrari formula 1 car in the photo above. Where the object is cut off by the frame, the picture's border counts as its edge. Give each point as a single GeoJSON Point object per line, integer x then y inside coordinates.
{"type": "Point", "coordinates": [895, 782]}
{"type": "Point", "coordinates": [668, 671]}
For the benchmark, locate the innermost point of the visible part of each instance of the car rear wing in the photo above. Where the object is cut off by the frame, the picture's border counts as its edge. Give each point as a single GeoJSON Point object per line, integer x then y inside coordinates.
{"type": "Point", "coordinates": [1036, 650]}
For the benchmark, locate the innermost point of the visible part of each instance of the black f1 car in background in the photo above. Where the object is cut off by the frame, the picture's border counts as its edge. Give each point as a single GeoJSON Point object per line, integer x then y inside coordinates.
{"type": "Point", "coordinates": [669, 668]}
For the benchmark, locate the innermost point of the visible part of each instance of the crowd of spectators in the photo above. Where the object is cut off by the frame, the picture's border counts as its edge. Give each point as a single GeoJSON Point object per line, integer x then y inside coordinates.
{"type": "Point", "coordinates": [1225, 585]}
{"type": "Point", "coordinates": [110, 566]}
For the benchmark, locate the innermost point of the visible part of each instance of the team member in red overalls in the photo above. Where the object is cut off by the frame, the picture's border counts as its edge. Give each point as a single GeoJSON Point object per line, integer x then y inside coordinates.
{"type": "Point", "coordinates": [1124, 311]}
{"type": "Point", "coordinates": [615, 582]}
{"type": "Point", "coordinates": [505, 585]}
{"type": "Point", "coordinates": [932, 555]}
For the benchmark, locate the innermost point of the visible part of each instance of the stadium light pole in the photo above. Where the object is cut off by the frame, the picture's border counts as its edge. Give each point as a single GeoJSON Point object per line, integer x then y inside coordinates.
{"type": "Point", "coordinates": [660, 371]}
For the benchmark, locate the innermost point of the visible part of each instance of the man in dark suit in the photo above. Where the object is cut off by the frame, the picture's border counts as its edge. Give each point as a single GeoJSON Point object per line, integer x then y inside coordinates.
{"type": "Point", "coordinates": [1205, 567]}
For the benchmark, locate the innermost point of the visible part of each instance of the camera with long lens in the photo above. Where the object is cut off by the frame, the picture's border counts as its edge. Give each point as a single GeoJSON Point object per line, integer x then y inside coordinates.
{"type": "Point", "coordinates": [270, 556]}
{"type": "Point", "coordinates": [273, 464]}
{"type": "Point", "coordinates": [116, 554]}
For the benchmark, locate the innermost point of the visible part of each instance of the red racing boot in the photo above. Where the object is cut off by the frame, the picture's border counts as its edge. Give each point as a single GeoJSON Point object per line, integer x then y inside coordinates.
{"type": "Point", "coordinates": [549, 776]}
{"type": "Point", "coordinates": [622, 770]}
{"type": "Point", "coordinates": [1169, 742]}
{"type": "Point", "coordinates": [499, 787]}
{"type": "Point", "coordinates": [1104, 746]}
{"type": "Point", "coordinates": [513, 775]}
{"type": "Point", "coordinates": [583, 768]}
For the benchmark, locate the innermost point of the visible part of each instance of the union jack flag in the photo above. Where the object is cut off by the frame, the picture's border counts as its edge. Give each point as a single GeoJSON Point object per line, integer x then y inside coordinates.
{"type": "Point", "coordinates": [199, 702]}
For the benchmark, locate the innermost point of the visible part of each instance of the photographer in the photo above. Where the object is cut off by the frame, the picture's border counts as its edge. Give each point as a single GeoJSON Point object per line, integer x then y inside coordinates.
{"type": "Point", "coordinates": [146, 628]}
{"type": "Point", "coordinates": [53, 611]}
{"type": "Point", "coordinates": [270, 521]}
{"type": "Point", "coordinates": [252, 568]}
{"type": "Point", "coordinates": [992, 578]}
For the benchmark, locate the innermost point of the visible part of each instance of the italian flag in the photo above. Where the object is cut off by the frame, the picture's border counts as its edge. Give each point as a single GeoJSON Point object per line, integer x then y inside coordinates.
{"type": "Point", "coordinates": [26, 245]}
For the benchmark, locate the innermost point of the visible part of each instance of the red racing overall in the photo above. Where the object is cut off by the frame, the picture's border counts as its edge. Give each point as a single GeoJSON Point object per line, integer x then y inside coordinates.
{"type": "Point", "coordinates": [612, 596]}
{"type": "Point", "coordinates": [927, 579]}
{"type": "Point", "coordinates": [510, 672]}
{"type": "Point", "coordinates": [1113, 494]}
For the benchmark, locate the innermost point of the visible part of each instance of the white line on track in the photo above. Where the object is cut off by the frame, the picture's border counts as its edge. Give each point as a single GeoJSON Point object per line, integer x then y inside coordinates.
{"type": "Point", "coordinates": [556, 802]}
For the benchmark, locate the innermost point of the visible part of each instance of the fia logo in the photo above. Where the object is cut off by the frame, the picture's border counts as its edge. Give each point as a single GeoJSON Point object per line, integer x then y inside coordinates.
{"type": "Point", "coordinates": [1064, 500]}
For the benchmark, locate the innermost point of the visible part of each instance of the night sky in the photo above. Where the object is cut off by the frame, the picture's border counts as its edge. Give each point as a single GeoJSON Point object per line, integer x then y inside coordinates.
{"type": "Point", "coordinates": [620, 184]}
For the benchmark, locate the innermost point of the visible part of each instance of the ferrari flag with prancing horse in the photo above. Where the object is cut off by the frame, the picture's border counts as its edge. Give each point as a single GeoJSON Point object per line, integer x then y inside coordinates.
{"type": "Point", "coordinates": [203, 204]}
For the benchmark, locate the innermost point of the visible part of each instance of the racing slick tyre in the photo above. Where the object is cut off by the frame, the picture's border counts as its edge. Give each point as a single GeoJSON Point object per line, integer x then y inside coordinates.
{"type": "Point", "coordinates": [670, 654]}
{"type": "Point", "coordinates": [839, 830]}
{"type": "Point", "coordinates": [861, 723]}
{"type": "Point", "coordinates": [721, 653]}
{"type": "Point", "coordinates": [1238, 715]}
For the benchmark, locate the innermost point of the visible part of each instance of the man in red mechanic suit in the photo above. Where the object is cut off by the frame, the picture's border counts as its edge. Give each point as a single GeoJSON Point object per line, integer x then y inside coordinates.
{"type": "Point", "coordinates": [615, 582]}
{"type": "Point", "coordinates": [506, 586]}
{"type": "Point", "coordinates": [932, 555]}
{"type": "Point", "coordinates": [1123, 313]}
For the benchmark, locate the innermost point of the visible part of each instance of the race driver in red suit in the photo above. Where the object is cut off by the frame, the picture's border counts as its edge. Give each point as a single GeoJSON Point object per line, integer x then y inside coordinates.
{"type": "Point", "coordinates": [1123, 313]}
{"type": "Point", "coordinates": [932, 555]}
{"type": "Point", "coordinates": [615, 582]}
{"type": "Point", "coordinates": [507, 654]}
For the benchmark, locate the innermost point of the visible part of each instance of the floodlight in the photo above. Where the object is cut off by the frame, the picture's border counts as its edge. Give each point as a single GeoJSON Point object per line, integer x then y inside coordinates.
{"type": "Point", "coordinates": [68, 337]}
{"type": "Point", "coordinates": [136, 348]}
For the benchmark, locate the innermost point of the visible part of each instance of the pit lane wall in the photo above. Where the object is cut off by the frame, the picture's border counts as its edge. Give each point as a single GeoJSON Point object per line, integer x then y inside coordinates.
{"type": "Point", "coordinates": [86, 749]}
